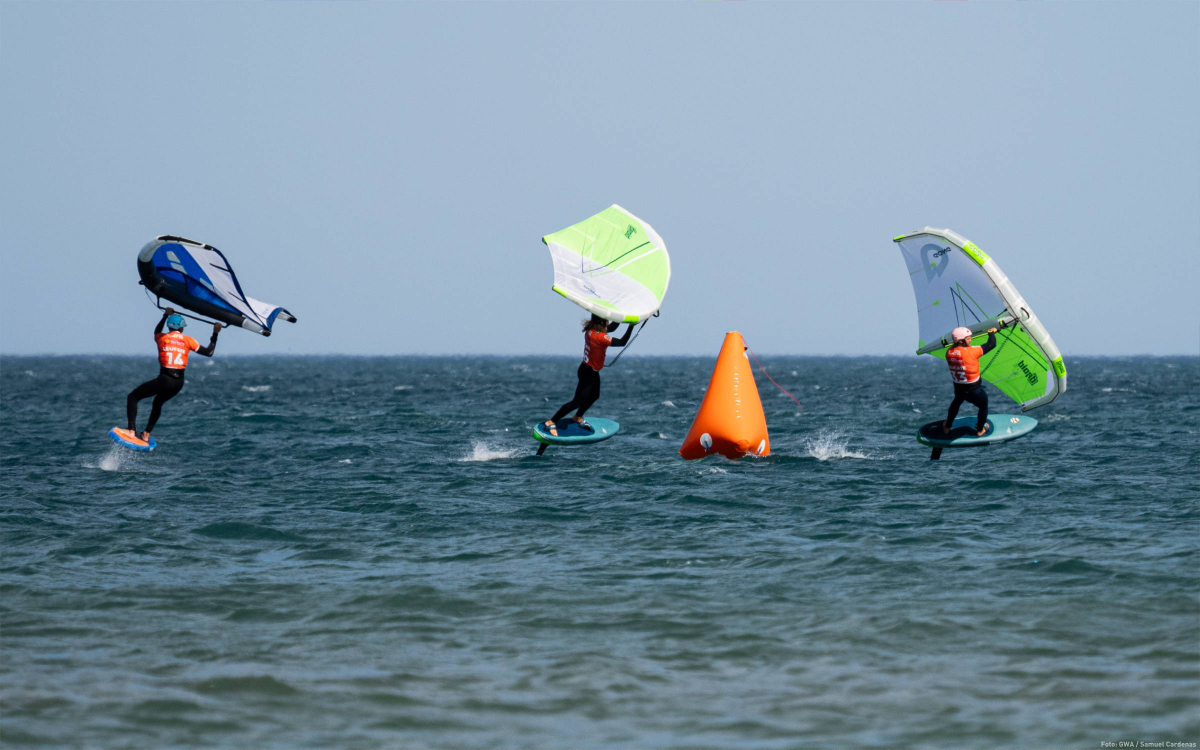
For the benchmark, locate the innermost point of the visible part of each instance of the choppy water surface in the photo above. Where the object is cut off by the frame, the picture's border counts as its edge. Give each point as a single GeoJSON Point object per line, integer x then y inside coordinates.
{"type": "Point", "coordinates": [331, 552]}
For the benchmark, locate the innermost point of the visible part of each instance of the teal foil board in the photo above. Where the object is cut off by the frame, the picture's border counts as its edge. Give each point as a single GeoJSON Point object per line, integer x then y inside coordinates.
{"type": "Point", "coordinates": [571, 433]}
{"type": "Point", "coordinates": [1001, 428]}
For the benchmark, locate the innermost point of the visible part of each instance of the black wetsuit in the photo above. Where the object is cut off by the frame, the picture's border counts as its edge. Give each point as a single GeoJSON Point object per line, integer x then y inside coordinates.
{"type": "Point", "coordinates": [586, 392]}
{"type": "Point", "coordinates": [588, 389]}
{"type": "Point", "coordinates": [163, 388]}
{"type": "Point", "coordinates": [972, 393]}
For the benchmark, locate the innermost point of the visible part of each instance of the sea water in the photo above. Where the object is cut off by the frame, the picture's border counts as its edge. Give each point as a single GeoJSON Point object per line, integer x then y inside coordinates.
{"type": "Point", "coordinates": [345, 552]}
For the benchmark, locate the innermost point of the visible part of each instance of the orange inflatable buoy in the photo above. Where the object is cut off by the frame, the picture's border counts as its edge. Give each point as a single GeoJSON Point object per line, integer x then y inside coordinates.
{"type": "Point", "coordinates": [731, 420]}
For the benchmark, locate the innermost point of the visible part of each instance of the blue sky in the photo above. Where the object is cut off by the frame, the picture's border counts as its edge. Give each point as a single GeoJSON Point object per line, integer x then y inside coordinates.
{"type": "Point", "coordinates": [386, 170]}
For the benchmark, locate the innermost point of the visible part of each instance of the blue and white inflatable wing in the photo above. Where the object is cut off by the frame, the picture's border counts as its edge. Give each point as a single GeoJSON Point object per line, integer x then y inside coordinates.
{"type": "Point", "coordinates": [199, 278]}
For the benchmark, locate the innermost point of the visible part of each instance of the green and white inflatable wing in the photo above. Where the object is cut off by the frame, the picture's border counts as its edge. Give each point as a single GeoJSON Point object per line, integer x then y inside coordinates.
{"type": "Point", "coordinates": [614, 265]}
{"type": "Point", "coordinates": [957, 284]}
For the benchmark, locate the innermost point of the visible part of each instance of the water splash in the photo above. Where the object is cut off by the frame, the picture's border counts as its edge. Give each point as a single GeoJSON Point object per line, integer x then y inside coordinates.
{"type": "Point", "coordinates": [482, 452]}
{"type": "Point", "coordinates": [831, 444]}
{"type": "Point", "coordinates": [117, 459]}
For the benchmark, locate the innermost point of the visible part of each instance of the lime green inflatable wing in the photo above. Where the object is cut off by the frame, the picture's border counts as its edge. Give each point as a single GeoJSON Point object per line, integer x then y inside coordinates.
{"type": "Point", "coordinates": [613, 265]}
{"type": "Point", "coordinates": [957, 284]}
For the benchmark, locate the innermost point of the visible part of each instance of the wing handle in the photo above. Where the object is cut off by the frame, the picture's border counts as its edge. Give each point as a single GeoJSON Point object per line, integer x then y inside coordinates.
{"type": "Point", "coordinates": [1000, 323]}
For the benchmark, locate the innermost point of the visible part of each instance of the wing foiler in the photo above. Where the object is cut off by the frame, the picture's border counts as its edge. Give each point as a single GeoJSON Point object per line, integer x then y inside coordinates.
{"type": "Point", "coordinates": [613, 265]}
{"type": "Point", "coordinates": [199, 278]}
{"type": "Point", "coordinates": [957, 284]}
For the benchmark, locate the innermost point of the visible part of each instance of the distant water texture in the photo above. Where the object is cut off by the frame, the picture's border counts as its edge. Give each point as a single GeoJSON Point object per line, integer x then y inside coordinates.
{"type": "Point", "coordinates": [342, 552]}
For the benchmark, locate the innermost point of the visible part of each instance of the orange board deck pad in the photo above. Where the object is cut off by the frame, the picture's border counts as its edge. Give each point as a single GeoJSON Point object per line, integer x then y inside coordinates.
{"type": "Point", "coordinates": [731, 420]}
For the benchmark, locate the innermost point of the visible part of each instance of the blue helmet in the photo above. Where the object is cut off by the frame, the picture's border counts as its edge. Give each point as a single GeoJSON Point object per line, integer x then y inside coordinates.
{"type": "Point", "coordinates": [176, 322]}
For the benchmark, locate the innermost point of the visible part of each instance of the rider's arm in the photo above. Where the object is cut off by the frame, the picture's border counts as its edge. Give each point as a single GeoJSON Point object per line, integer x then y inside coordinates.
{"type": "Point", "coordinates": [624, 339]}
{"type": "Point", "coordinates": [990, 344]}
{"type": "Point", "coordinates": [613, 326]}
{"type": "Point", "coordinates": [162, 322]}
{"type": "Point", "coordinates": [207, 351]}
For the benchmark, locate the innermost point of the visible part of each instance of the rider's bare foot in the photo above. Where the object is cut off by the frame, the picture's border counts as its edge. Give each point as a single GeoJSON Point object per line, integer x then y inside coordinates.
{"type": "Point", "coordinates": [981, 433]}
{"type": "Point", "coordinates": [550, 427]}
{"type": "Point", "coordinates": [143, 436]}
{"type": "Point", "coordinates": [945, 428]}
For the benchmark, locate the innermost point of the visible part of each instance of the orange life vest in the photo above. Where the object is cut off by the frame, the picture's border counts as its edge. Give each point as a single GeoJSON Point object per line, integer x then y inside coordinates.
{"type": "Point", "coordinates": [595, 345]}
{"type": "Point", "coordinates": [173, 349]}
{"type": "Point", "coordinates": [964, 363]}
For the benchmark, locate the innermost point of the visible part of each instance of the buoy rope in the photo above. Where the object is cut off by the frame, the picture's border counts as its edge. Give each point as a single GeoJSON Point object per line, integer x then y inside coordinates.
{"type": "Point", "coordinates": [764, 372]}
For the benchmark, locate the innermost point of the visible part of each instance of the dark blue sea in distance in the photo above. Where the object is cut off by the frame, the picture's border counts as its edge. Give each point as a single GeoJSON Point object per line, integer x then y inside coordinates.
{"type": "Point", "coordinates": [348, 552]}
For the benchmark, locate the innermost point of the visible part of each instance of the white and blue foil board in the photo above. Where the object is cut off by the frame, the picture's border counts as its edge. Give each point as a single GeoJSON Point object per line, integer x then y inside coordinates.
{"type": "Point", "coordinates": [1000, 429]}
{"type": "Point", "coordinates": [131, 441]}
{"type": "Point", "coordinates": [571, 432]}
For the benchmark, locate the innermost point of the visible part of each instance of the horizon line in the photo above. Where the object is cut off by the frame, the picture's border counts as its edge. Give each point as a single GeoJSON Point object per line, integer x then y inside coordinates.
{"type": "Point", "coordinates": [558, 356]}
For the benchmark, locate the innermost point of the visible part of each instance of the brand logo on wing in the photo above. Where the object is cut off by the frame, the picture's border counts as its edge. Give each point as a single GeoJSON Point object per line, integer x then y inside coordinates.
{"type": "Point", "coordinates": [589, 290]}
{"type": "Point", "coordinates": [941, 252]}
{"type": "Point", "coordinates": [630, 232]}
{"type": "Point", "coordinates": [1030, 376]}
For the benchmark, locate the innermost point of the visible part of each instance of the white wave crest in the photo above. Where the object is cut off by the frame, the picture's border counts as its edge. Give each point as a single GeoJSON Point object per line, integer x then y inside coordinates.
{"type": "Point", "coordinates": [1058, 417]}
{"type": "Point", "coordinates": [256, 388]}
{"type": "Point", "coordinates": [830, 444]}
{"type": "Point", "coordinates": [667, 403]}
{"type": "Point", "coordinates": [481, 452]}
{"type": "Point", "coordinates": [403, 388]}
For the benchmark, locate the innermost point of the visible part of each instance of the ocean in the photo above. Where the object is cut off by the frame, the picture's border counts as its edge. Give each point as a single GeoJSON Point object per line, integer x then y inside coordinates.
{"type": "Point", "coordinates": [364, 552]}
